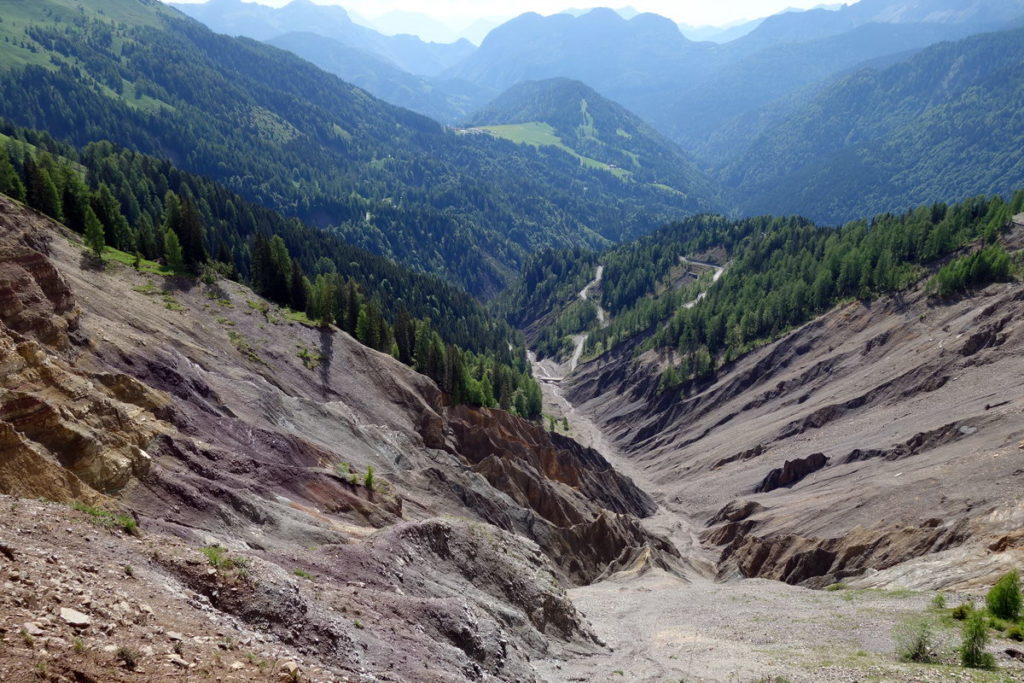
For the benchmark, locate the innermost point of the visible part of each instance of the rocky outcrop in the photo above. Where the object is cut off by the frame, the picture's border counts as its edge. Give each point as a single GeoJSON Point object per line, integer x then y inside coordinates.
{"type": "Point", "coordinates": [818, 562]}
{"type": "Point", "coordinates": [579, 510]}
{"type": "Point", "coordinates": [35, 300]}
{"type": "Point", "coordinates": [791, 472]}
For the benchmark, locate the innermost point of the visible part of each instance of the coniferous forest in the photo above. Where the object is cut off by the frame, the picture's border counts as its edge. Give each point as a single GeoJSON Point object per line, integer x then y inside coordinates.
{"type": "Point", "coordinates": [144, 206]}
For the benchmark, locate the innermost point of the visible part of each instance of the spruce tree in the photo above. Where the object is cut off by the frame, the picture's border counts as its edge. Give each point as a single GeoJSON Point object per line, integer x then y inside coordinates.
{"type": "Point", "coordinates": [94, 238]}
{"type": "Point", "coordinates": [108, 210]}
{"type": "Point", "coordinates": [10, 183]}
{"type": "Point", "coordinates": [40, 191]}
{"type": "Point", "coordinates": [172, 251]}
{"type": "Point", "coordinates": [75, 201]}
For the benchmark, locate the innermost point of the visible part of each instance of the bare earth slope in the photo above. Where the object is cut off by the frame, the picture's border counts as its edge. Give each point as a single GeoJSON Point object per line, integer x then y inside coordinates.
{"type": "Point", "coordinates": [874, 435]}
{"type": "Point", "coordinates": [211, 419]}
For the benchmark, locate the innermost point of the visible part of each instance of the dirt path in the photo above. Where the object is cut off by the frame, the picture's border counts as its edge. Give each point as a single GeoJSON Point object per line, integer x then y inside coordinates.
{"type": "Point", "coordinates": [580, 340]}
{"type": "Point", "coordinates": [714, 278]}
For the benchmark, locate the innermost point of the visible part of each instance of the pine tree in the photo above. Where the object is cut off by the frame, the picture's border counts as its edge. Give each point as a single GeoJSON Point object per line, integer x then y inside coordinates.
{"type": "Point", "coordinates": [10, 183]}
{"type": "Point", "coordinates": [298, 292]}
{"type": "Point", "coordinates": [405, 335]}
{"type": "Point", "coordinates": [321, 300]}
{"type": "Point", "coordinates": [172, 251]}
{"type": "Point", "coordinates": [364, 327]}
{"type": "Point", "coordinates": [40, 191]}
{"type": "Point", "coordinates": [94, 238]}
{"type": "Point", "coordinates": [74, 201]}
{"type": "Point", "coordinates": [108, 210]}
{"type": "Point", "coordinates": [190, 232]}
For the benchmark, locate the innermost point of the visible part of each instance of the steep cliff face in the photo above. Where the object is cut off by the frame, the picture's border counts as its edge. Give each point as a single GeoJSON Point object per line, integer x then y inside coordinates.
{"type": "Point", "coordinates": [871, 436]}
{"type": "Point", "coordinates": [212, 418]}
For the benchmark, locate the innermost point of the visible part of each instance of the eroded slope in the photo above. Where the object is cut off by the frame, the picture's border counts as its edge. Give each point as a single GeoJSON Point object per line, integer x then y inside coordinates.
{"type": "Point", "coordinates": [873, 435]}
{"type": "Point", "coordinates": [212, 418]}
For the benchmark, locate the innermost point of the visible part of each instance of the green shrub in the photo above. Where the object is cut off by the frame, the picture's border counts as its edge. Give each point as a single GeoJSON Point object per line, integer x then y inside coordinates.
{"type": "Point", "coordinates": [963, 610]}
{"type": "Point", "coordinates": [1004, 599]}
{"type": "Point", "coordinates": [975, 638]}
{"type": "Point", "coordinates": [939, 602]}
{"type": "Point", "coordinates": [914, 641]}
{"type": "Point", "coordinates": [368, 480]}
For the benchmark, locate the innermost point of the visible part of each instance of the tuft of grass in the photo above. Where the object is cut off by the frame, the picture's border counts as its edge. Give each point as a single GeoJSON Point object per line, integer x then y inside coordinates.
{"type": "Point", "coordinates": [836, 586]}
{"type": "Point", "coordinates": [298, 317]}
{"type": "Point", "coordinates": [172, 304]}
{"type": "Point", "coordinates": [108, 520]}
{"type": "Point", "coordinates": [78, 646]}
{"type": "Point", "coordinates": [303, 574]}
{"type": "Point", "coordinates": [129, 571]}
{"type": "Point", "coordinates": [368, 480]}
{"type": "Point", "coordinates": [1015, 632]}
{"type": "Point", "coordinates": [140, 264]}
{"type": "Point", "coordinates": [217, 556]}
{"type": "Point", "coordinates": [938, 602]}
{"type": "Point", "coordinates": [241, 343]}
{"type": "Point", "coordinates": [311, 359]}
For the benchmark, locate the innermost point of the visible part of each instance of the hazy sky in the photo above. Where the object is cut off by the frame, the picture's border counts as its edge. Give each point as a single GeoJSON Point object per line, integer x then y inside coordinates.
{"type": "Point", "coordinates": [696, 12]}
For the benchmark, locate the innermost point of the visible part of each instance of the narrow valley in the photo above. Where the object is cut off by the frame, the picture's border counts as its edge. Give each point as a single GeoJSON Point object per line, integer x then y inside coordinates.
{"type": "Point", "coordinates": [671, 343]}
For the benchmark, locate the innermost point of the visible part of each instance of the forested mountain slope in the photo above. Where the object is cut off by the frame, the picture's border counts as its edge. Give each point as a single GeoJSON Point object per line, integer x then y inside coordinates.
{"type": "Point", "coordinates": [145, 208]}
{"type": "Point", "coordinates": [285, 134]}
{"type": "Point", "coordinates": [691, 90]}
{"type": "Point", "coordinates": [941, 125]}
{"type": "Point", "coordinates": [596, 128]}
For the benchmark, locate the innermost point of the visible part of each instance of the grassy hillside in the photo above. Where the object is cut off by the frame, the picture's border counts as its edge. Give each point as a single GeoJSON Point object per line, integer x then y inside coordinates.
{"type": "Point", "coordinates": [571, 116]}
{"type": "Point", "coordinates": [541, 134]}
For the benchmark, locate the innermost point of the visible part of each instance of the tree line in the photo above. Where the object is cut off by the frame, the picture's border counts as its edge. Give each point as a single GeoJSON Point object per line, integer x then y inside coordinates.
{"type": "Point", "coordinates": [141, 205]}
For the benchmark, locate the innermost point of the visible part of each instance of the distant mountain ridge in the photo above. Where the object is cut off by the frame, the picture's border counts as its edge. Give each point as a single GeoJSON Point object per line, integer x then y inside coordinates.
{"type": "Point", "coordinates": [447, 101]}
{"type": "Point", "coordinates": [284, 134]}
{"type": "Point", "coordinates": [261, 22]}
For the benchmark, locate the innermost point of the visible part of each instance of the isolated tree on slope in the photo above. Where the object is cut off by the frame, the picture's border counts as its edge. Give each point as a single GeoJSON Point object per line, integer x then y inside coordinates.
{"type": "Point", "coordinates": [94, 233]}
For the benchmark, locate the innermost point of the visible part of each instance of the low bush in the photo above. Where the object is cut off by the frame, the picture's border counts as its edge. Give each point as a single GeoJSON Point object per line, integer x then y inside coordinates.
{"type": "Point", "coordinates": [962, 611]}
{"type": "Point", "coordinates": [914, 640]}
